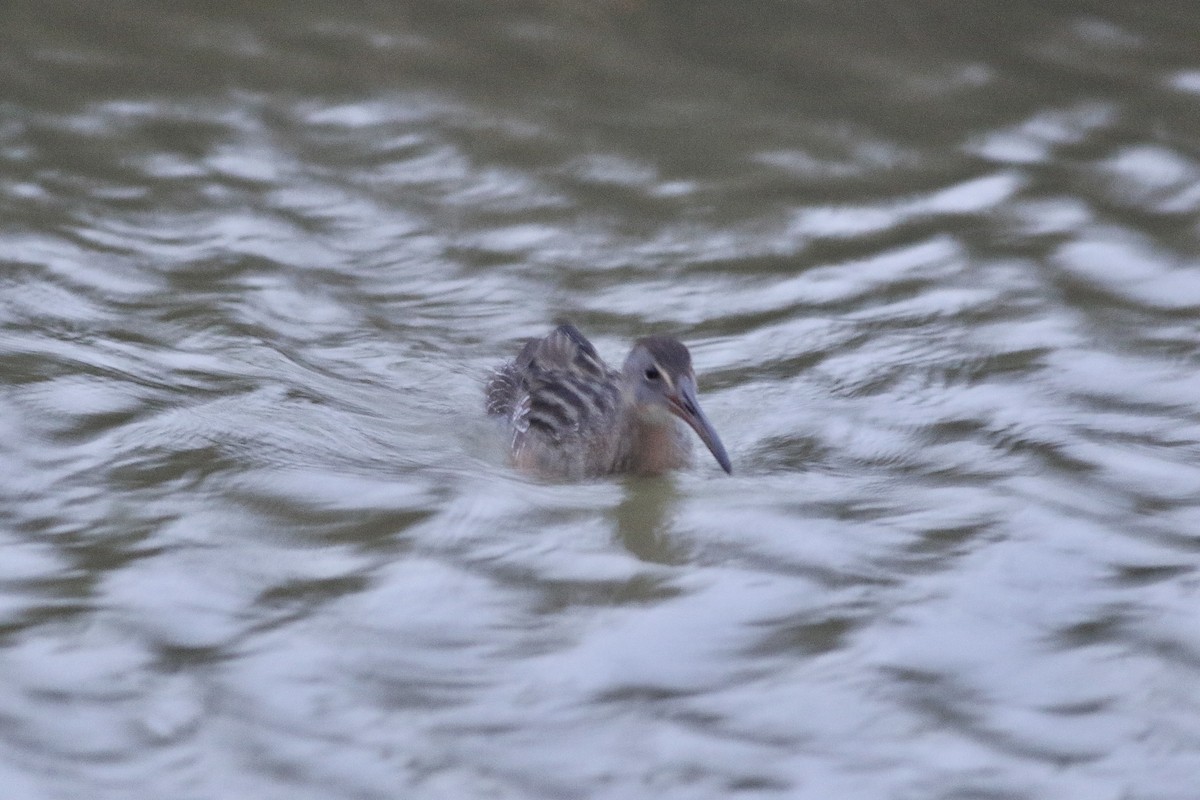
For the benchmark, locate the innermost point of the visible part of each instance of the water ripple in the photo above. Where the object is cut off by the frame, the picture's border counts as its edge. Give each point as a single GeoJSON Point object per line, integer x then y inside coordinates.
{"type": "Point", "coordinates": [936, 270]}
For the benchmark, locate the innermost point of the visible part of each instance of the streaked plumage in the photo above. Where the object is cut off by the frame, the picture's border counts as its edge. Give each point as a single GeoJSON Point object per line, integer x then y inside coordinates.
{"type": "Point", "coordinates": [570, 416]}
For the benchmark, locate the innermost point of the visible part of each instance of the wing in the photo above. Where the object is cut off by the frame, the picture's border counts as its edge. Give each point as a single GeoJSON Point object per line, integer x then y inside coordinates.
{"type": "Point", "coordinates": [557, 386]}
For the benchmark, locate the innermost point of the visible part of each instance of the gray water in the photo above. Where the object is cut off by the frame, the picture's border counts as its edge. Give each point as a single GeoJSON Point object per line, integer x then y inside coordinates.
{"type": "Point", "coordinates": [939, 268]}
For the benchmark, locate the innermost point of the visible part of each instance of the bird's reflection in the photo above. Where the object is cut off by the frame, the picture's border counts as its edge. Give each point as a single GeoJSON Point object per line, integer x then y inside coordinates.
{"type": "Point", "coordinates": [644, 520]}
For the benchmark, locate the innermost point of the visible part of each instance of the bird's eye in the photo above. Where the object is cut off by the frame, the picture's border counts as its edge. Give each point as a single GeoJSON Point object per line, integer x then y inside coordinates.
{"type": "Point", "coordinates": [652, 374]}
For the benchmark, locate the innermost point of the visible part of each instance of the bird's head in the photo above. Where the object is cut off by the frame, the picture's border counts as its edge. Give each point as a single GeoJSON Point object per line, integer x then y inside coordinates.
{"type": "Point", "coordinates": [660, 370]}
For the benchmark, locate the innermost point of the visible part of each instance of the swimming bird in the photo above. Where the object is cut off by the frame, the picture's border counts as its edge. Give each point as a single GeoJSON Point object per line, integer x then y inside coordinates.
{"type": "Point", "coordinates": [572, 416]}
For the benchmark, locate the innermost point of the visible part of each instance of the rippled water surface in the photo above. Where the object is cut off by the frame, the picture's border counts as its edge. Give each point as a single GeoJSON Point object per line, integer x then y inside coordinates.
{"type": "Point", "coordinates": [939, 268]}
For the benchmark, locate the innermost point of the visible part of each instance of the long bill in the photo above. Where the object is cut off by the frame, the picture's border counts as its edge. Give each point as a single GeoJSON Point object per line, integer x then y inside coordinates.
{"type": "Point", "coordinates": [683, 404]}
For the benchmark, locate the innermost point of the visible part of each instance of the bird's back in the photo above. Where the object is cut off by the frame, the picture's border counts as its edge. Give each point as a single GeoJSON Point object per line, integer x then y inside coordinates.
{"type": "Point", "coordinates": [561, 403]}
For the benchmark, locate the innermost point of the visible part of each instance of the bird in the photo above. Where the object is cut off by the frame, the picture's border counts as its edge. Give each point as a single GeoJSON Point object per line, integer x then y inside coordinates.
{"type": "Point", "coordinates": [571, 416]}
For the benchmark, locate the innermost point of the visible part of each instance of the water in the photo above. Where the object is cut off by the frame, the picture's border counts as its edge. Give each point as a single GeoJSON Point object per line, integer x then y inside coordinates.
{"type": "Point", "coordinates": [937, 266]}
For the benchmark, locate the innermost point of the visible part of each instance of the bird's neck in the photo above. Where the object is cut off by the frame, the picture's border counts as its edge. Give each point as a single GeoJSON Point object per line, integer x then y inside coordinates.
{"type": "Point", "coordinates": [657, 446]}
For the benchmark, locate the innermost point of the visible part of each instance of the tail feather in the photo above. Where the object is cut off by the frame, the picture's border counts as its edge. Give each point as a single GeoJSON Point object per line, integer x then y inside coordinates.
{"type": "Point", "coordinates": [502, 390]}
